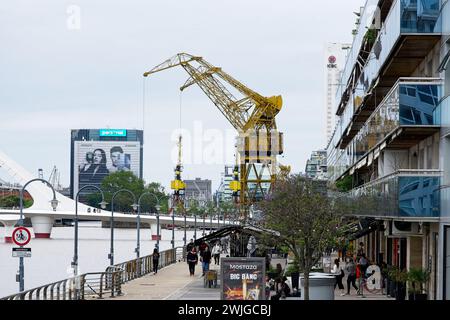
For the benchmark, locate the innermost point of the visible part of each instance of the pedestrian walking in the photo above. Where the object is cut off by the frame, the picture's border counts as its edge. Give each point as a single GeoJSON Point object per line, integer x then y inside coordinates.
{"type": "Point", "coordinates": [216, 253]}
{"type": "Point", "coordinates": [190, 245]}
{"type": "Point", "coordinates": [206, 259]}
{"type": "Point", "coordinates": [351, 275]}
{"type": "Point", "coordinates": [339, 274]}
{"type": "Point", "coordinates": [192, 260]}
{"type": "Point", "coordinates": [155, 260]}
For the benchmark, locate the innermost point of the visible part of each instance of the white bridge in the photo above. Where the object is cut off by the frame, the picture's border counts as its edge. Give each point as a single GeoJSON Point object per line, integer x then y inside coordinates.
{"type": "Point", "coordinates": [43, 216]}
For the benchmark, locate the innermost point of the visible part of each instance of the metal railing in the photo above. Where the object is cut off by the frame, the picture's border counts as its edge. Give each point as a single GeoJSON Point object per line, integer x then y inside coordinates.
{"type": "Point", "coordinates": [142, 266]}
{"type": "Point", "coordinates": [100, 284]}
{"type": "Point", "coordinates": [399, 173]}
{"type": "Point", "coordinates": [85, 286]}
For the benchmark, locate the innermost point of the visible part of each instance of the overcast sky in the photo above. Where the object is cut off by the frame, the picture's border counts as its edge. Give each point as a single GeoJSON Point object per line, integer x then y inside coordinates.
{"type": "Point", "coordinates": [79, 64]}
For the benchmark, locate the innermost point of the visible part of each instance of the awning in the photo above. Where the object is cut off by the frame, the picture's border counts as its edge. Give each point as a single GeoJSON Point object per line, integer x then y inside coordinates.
{"type": "Point", "coordinates": [361, 227]}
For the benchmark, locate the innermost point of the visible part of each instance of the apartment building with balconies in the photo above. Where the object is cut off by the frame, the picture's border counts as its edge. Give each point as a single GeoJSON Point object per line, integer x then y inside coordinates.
{"type": "Point", "coordinates": [391, 147]}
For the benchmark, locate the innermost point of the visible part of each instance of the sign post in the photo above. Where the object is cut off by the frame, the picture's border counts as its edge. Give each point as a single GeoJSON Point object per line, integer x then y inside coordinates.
{"type": "Point", "coordinates": [243, 278]}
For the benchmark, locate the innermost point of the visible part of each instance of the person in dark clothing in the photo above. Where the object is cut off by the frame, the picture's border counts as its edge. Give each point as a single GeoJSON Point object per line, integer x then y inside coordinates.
{"type": "Point", "coordinates": [192, 260]}
{"type": "Point", "coordinates": [155, 260]}
{"type": "Point", "coordinates": [206, 259]}
{"type": "Point", "coordinates": [351, 275]}
{"type": "Point", "coordinates": [283, 289]}
{"type": "Point", "coordinates": [190, 245]}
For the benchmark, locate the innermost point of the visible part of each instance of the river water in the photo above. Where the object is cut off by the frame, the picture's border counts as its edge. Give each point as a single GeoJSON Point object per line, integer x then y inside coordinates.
{"type": "Point", "coordinates": [51, 258]}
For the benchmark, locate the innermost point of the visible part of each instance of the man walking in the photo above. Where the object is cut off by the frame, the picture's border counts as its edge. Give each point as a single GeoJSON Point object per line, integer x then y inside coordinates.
{"type": "Point", "coordinates": [351, 275]}
{"type": "Point", "coordinates": [206, 259]}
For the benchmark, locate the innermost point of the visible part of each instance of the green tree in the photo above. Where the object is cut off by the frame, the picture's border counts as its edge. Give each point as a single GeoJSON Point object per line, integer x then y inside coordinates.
{"type": "Point", "coordinates": [306, 219]}
{"type": "Point", "coordinates": [123, 201]}
{"type": "Point", "coordinates": [13, 201]}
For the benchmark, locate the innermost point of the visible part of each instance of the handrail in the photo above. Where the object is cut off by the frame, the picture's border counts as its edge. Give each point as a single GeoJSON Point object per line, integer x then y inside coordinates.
{"type": "Point", "coordinates": [99, 283]}
{"type": "Point", "coordinates": [136, 268]}
{"type": "Point", "coordinates": [398, 173]}
{"type": "Point", "coordinates": [67, 288]}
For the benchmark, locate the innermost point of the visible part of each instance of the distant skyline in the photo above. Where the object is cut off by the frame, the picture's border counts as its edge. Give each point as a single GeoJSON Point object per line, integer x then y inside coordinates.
{"type": "Point", "coordinates": [78, 64]}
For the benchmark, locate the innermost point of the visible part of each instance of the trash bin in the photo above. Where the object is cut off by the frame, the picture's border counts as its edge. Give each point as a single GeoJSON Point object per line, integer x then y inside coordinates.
{"type": "Point", "coordinates": [321, 286]}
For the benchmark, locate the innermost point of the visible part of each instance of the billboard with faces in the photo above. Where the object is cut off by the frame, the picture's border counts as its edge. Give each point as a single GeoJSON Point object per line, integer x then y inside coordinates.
{"type": "Point", "coordinates": [94, 160]}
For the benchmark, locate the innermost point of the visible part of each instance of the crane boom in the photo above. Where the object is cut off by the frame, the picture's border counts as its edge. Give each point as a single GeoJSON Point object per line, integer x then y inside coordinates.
{"type": "Point", "coordinates": [251, 114]}
{"type": "Point", "coordinates": [252, 111]}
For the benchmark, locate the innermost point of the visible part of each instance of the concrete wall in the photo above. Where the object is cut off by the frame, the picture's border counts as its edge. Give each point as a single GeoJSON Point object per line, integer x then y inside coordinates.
{"type": "Point", "coordinates": [414, 256]}
{"type": "Point", "coordinates": [392, 161]}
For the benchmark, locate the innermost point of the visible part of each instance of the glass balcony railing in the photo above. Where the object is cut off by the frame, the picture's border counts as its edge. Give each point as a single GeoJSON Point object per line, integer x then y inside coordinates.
{"type": "Point", "coordinates": [407, 104]}
{"type": "Point", "coordinates": [353, 55]}
{"type": "Point", "coordinates": [406, 193]}
{"type": "Point", "coordinates": [406, 17]}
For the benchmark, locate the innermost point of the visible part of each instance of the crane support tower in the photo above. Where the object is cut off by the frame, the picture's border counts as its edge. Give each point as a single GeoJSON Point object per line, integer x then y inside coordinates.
{"type": "Point", "coordinates": [177, 185]}
{"type": "Point", "coordinates": [251, 114]}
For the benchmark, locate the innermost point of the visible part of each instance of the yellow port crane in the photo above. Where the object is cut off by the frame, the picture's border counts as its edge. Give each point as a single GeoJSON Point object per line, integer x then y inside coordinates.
{"type": "Point", "coordinates": [251, 114]}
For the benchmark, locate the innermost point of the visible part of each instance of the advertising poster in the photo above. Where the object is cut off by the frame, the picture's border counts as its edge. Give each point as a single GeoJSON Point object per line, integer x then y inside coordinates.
{"type": "Point", "coordinates": [94, 160]}
{"type": "Point", "coordinates": [243, 278]}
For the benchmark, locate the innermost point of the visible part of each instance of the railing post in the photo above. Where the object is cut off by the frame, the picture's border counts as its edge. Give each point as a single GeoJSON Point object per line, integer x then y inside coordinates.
{"type": "Point", "coordinates": [57, 290]}
{"type": "Point", "coordinates": [112, 284]}
{"type": "Point", "coordinates": [45, 292]}
{"type": "Point", "coordinates": [119, 289]}
{"type": "Point", "coordinates": [64, 290]}
{"type": "Point", "coordinates": [82, 283]}
{"type": "Point", "coordinates": [102, 277]}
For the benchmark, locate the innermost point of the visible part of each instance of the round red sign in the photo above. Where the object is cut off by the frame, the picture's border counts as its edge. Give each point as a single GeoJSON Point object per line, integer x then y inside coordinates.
{"type": "Point", "coordinates": [21, 236]}
{"type": "Point", "coordinates": [332, 59]}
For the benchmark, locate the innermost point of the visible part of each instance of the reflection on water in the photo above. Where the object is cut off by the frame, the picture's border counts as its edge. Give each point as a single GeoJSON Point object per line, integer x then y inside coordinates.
{"type": "Point", "coordinates": [51, 258]}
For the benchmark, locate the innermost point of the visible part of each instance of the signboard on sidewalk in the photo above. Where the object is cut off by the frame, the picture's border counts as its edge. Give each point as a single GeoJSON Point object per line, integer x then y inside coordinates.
{"type": "Point", "coordinates": [21, 252]}
{"type": "Point", "coordinates": [243, 278]}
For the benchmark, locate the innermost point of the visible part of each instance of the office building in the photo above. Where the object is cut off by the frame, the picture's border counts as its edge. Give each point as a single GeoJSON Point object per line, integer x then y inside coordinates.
{"type": "Point", "coordinates": [316, 165]}
{"type": "Point", "coordinates": [390, 150]}
{"type": "Point", "coordinates": [198, 189]}
{"type": "Point", "coordinates": [334, 60]}
{"type": "Point", "coordinates": [95, 153]}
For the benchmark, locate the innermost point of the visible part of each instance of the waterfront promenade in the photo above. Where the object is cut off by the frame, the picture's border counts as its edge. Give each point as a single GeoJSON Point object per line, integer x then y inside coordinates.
{"type": "Point", "coordinates": [174, 283]}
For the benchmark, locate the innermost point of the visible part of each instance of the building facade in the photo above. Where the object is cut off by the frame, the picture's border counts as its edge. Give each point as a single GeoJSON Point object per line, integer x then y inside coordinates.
{"type": "Point", "coordinates": [198, 189]}
{"type": "Point", "coordinates": [390, 149]}
{"type": "Point", "coordinates": [224, 192]}
{"type": "Point", "coordinates": [334, 61]}
{"type": "Point", "coordinates": [95, 153]}
{"type": "Point", "coordinates": [316, 165]}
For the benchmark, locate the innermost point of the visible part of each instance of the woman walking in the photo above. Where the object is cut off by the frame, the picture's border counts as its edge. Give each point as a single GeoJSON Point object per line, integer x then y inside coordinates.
{"type": "Point", "coordinates": [155, 260]}
{"type": "Point", "coordinates": [339, 274]}
{"type": "Point", "coordinates": [192, 260]}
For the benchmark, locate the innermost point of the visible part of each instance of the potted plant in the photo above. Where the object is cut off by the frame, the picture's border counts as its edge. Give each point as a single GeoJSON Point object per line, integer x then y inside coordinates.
{"type": "Point", "coordinates": [293, 271]}
{"type": "Point", "coordinates": [417, 278]}
{"type": "Point", "coordinates": [399, 278]}
{"type": "Point", "coordinates": [272, 273]}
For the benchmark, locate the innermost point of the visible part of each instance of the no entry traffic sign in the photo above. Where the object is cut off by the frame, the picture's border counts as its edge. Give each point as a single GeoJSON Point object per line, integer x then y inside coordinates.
{"type": "Point", "coordinates": [21, 236]}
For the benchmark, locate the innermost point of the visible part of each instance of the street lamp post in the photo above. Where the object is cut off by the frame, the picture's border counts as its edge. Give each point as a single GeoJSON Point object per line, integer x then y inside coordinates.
{"type": "Point", "coordinates": [173, 228]}
{"type": "Point", "coordinates": [210, 221]}
{"type": "Point", "coordinates": [185, 230]}
{"type": "Point", "coordinates": [138, 237]}
{"type": "Point", "coordinates": [204, 226]}
{"type": "Point", "coordinates": [75, 249]}
{"type": "Point", "coordinates": [53, 203]}
{"type": "Point", "coordinates": [134, 205]}
{"type": "Point", "coordinates": [218, 218]}
{"type": "Point", "coordinates": [195, 226]}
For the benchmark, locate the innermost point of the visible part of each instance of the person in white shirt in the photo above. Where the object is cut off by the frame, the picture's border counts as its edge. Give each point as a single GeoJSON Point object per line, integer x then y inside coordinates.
{"type": "Point", "coordinates": [339, 274]}
{"type": "Point", "coordinates": [216, 253]}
